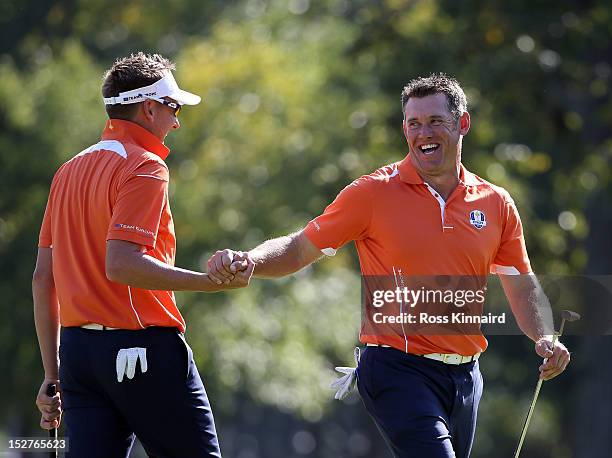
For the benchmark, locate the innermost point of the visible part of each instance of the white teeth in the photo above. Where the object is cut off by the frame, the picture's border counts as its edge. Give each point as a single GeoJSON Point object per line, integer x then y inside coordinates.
{"type": "Point", "coordinates": [428, 149]}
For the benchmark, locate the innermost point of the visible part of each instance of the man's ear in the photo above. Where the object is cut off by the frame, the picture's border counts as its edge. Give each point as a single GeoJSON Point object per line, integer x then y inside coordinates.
{"type": "Point", "coordinates": [464, 123]}
{"type": "Point", "coordinates": [148, 109]}
{"type": "Point", "coordinates": [405, 128]}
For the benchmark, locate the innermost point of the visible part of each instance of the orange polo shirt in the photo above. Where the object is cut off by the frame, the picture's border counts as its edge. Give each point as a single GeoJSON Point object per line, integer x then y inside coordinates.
{"type": "Point", "coordinates": [116, 189]}
{"type": "Point", "coordinates": [406, 234]}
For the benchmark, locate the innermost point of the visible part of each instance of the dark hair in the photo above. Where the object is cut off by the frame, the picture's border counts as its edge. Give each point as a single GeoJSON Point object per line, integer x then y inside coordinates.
{"type": "Point", "coordinates": [437, 83]}
{"type": "Point", "coordinates": [132, 72]}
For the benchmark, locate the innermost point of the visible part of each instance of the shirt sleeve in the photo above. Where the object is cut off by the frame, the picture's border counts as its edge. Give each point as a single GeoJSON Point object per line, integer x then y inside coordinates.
{"type": "Point", "coordinates": [347, 218]}
{"type": "Point", "coordinates": [511, 257]}
{"type": "Point", "coordinates": [140, 201]}
{"type": "Point", "coordinates": [45, 239]}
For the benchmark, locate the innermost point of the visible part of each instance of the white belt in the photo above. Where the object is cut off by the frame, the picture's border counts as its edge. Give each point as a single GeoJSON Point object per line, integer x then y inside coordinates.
{"type": "Point", "coordinates": [452, 358]}
{"type": "Point", "coordinates": [98, 327]}
{"type": "Point", "coordinates": [446, 358]}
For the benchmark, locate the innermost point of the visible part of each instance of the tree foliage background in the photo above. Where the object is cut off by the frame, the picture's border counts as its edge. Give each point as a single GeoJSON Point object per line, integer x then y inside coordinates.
{"type": "Point", "coordinates": [301, 97]}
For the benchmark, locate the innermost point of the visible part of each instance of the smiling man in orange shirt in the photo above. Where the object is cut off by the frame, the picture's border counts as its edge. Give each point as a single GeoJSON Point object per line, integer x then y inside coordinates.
{"type": "Point", "coordinates": [413, 221]}
{"type": "Point", "coordinates": [105, 273]}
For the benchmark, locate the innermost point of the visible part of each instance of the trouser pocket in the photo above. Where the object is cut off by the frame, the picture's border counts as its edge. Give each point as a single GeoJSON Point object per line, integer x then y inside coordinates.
{"type": "Point", "coordinates": [188, 353]}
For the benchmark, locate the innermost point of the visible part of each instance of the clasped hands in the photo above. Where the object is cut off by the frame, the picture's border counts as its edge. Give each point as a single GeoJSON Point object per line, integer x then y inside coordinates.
{"type": "Point", "coordinates": [230, 269]}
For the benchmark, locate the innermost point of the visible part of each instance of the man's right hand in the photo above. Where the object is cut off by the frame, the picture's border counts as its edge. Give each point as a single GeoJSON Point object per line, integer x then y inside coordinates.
{"type": "Point", "coordinates": [50, 407]}
{"type": "Point", "coordinates": [232, 269]}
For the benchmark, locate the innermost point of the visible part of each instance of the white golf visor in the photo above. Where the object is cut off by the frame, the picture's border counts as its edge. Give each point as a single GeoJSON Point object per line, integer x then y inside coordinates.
{"type": "Point", "coordinates": [165, 87]}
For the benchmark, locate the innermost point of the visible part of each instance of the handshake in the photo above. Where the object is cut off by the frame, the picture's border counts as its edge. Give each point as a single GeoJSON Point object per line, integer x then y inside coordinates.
{"type": "Point", "coordinates": [230, 269]}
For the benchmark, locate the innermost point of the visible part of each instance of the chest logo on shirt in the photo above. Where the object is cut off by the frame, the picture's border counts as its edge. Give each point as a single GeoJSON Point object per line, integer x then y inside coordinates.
{"type": "Point", "coordinates": [477, 219]}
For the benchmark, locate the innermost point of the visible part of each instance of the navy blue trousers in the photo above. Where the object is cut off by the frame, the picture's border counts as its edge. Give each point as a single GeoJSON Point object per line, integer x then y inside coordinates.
{"type": "Point", "coordinates": [423, 408]}
{"type": "Point", "coordinates": [165, 407]}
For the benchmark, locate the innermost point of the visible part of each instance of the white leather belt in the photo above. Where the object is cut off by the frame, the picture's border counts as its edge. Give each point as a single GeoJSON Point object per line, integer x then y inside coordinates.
{"type": "Point", "coordinates": [452, 358]}
{"type": "Point", "coordinates": [97, 327]}
{"type": "Point", "coordinates": [446, 358]}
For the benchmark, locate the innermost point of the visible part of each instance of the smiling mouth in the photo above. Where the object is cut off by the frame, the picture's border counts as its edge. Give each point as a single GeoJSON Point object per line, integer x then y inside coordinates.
{"type": "Point", "coordinates": [430, 148]}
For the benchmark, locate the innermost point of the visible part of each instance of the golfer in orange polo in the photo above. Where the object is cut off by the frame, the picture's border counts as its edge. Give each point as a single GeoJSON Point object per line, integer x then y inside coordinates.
{"type": "Point", "coordinates": [105, 273]}
{"type": "Point", "coordinates": [423, 219]}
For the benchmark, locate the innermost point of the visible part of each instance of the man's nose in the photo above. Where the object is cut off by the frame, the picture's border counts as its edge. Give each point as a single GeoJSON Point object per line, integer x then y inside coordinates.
{"type": "Point", "coordinates": [176, 124]}
{"type": "Point", "coordinates": [426, 131]}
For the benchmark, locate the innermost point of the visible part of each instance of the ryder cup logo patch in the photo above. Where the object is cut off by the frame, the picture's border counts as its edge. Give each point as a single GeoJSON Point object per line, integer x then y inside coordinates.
{"type": "Point", "coordinates": [477, 219]}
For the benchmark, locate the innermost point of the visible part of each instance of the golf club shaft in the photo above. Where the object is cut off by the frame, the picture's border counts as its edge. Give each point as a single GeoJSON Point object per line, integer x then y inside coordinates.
{"type": "Point", "coordinates": [535, 398]}
{"type": "Point", "coordinates": [528, 419]}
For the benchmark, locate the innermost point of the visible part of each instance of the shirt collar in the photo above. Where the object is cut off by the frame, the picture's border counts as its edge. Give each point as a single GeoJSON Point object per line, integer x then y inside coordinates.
{"type": "Point", "coordinates": [468, 178]}
{"type": "Point", "coordinates": [408, 174]}
{"type": "Point", "coordinates": [118, 129]}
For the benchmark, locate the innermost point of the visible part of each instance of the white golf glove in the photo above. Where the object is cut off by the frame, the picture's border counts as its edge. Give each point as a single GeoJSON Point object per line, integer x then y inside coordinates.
{"type": "Point", "coordinates": [127, 359]}
{"type": "Point", "coordinates": [347, 383]}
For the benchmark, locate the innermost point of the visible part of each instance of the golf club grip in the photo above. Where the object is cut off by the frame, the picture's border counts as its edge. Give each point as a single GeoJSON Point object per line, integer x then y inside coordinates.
{"type": "Point", "coordinates": [52, 391]}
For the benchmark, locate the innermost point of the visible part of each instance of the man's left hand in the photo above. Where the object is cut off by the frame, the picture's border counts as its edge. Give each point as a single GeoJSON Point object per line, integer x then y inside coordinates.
{"type": "Point", "coordinates": [50, 407]}
{"type": "Point", "coordinates": [556, 360]}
